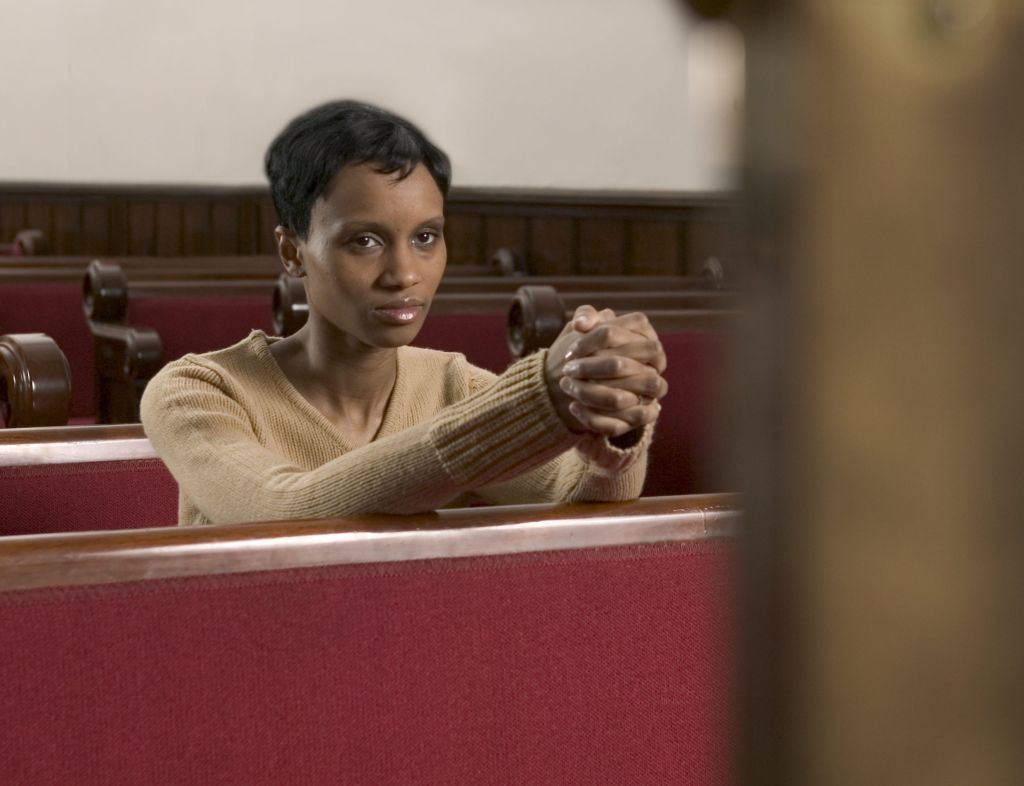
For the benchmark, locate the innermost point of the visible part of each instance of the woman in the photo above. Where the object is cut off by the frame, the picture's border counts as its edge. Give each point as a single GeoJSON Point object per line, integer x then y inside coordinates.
{"type": "Point", "coordinates": [343, 416]}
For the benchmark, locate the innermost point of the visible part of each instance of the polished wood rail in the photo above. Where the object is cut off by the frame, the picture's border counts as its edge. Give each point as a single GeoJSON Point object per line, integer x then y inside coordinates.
{"type": "Point", "coordinates": [73, 444]}
{"type": "Point", "coordinates": [28, 561]}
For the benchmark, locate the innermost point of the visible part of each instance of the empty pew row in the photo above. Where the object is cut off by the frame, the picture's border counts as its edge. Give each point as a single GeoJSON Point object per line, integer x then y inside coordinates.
{"type": "Point", "coordinates": [535, 644]}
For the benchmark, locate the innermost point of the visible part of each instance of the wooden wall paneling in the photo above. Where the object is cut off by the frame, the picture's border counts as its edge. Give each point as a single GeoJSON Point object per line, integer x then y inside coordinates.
{"type": "Point", "coordinates": [119, 225]}
{"type": "Point", "coordinates": [67, 226]}
{"type": "Point", "coordinates": [93, 229]}
{"type": "Point", "coordinates": [225, 226]}
{"type": "Point", "coordinates": [266, 223]}
{"type": "Point", "coordinates": [464, 237]}
{"type": "Point", "coordinates": [12, 218]}
{"type": "Point", "coordinates": [620, 232]}
{"type": "Point", "coordinates": [705, 237]}
{"type": "Point", "coordinates": [248, 225]}
{"type": "Point", "coordinates": [552, 248]}
{"type": "Point", "coordinates": [195, 225]}
{"type": "Point", "coordinates": [503, 232]}
{"type": "Point", "coordinates": [653, 248]}
{"type": "Point", "coordinates": [169, 227]}
{"type": "Point", "coordinates": [602, 247]}
{"type": "Point", "coordinates": [141, 226]}
{"type": "Point", "coordinates": [39, 215]}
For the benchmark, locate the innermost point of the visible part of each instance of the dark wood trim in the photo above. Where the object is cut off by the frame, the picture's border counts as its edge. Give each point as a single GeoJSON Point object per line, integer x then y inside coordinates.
{"type": "Point", "coordinates": [70, 434]}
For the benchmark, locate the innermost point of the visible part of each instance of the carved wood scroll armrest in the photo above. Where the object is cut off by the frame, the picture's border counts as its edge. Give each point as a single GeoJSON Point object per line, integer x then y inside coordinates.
{"type": "Point", "coordinates": [535, 318]}
{"type": "Point", "coordinates": [127, 357]}
{"type": "Point", "coordinates": [35, 381]}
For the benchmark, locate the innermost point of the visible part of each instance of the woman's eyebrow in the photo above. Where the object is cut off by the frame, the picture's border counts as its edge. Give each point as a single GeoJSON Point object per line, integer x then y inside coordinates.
{"type": "Point", "coordinates": [357, 225]}
{"type": "Point", "coordinates": [342, 226]}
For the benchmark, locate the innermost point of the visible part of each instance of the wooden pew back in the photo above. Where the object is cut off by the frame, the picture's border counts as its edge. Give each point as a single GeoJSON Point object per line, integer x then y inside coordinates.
{"type": "Point", "coordinates": [539, 648]}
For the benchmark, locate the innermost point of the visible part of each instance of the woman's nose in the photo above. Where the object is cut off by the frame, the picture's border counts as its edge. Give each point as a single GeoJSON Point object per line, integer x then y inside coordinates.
{"type": "Point", "coordinates": [401, 269]}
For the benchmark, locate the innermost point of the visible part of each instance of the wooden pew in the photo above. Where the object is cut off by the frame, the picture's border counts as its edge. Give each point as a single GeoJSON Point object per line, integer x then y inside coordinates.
{"type": "Point", "coordinates": [536, 644]}
{"type": "Point", "coordinates": [82, 478]}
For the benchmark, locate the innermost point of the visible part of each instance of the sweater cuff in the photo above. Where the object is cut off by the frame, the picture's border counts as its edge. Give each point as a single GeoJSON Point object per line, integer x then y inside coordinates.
{"type": "Point", "coordinates": [604, 457]}
{"type": "Point", "coordinates": [503, 430]}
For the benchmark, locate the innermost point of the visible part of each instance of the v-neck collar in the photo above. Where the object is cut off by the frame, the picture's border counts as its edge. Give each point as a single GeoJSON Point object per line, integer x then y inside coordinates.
{"type": "Point", "coordinates": [259, 343]}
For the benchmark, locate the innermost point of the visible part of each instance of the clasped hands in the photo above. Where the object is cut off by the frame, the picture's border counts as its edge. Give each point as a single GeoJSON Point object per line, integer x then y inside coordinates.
{"type": "Point", "coordinates": [604, 372]}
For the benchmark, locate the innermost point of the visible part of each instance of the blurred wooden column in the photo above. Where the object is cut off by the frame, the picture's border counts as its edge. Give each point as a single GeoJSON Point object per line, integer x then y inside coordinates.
{"type": "Point", "coordinates": [883, 615]}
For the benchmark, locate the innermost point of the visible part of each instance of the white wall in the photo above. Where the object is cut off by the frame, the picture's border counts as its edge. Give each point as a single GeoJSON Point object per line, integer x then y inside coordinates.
{"type": "Point", "coordinates": [589, 94]}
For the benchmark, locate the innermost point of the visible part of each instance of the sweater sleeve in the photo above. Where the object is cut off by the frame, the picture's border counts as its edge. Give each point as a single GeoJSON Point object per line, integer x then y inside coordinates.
{"type": "Point", "coordinates": [207, 440]}
{"type": "Point", "coordinates": [595, 470]}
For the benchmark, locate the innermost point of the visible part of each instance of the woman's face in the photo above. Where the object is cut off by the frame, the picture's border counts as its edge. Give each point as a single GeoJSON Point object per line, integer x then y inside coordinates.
{"type": "Point", "coordinates": [374, 255]}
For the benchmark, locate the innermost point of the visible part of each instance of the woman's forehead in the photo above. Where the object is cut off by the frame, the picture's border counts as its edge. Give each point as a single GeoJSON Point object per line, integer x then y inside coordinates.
{"type": "Point", "coordinates": [362, 192]}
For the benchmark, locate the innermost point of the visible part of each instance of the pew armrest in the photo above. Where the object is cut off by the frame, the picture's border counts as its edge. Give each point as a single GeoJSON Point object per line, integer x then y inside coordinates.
{"type": "Point", "coordinates": [35, 381]}
{"type": "Point", "coordinates": [126, 359]}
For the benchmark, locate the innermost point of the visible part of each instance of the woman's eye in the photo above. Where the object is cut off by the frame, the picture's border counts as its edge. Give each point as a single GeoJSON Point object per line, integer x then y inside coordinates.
{"type": "Point", "coordinates": [365, 241]}
{"type": "Point", "coordinates": [426, 238]}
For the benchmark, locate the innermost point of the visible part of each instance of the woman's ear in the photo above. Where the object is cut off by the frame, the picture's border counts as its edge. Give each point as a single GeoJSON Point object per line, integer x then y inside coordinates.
{"type": "Point", "coordinates": [288, 250]}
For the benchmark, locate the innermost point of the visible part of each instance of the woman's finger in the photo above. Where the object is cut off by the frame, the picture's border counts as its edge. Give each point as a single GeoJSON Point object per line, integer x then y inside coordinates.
{"type": "Point", "coordinates": [612, 425]}
{"type": "Point", "coordinates": [612, 334]}
{"type": "Point", "coordinates": [586, 317]}
{"type": "Point", "coordinates": [616, 395]}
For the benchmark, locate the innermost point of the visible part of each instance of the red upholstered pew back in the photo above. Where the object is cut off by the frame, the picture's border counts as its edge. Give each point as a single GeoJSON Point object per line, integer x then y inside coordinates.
{"type": "Point", "coordinates": [480, 337]}
{"type": "Point", "coordinates": [81, 479]}
{"type": "Point", "coordinates": [87, 496]}
{"type": "Point", "coordinates": [685, 452]}
{"type": "Point", "coordinates": [201, 323]}
{"type": "Point", "coordinates": [582, 665]}
{"type": "Point", "coordinates": [204, 323]}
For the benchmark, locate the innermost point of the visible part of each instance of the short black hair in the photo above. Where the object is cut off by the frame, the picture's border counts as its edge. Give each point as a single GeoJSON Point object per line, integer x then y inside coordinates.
{"type": "Point", "coordinates": [303, 159]}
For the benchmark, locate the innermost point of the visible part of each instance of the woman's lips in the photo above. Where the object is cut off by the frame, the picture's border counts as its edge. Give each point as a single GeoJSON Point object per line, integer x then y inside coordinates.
{"type": "Point", "coordinates": [399, 313]}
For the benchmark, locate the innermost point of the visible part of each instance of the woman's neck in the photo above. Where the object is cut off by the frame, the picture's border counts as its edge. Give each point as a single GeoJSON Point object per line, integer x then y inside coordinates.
{"type": "Point", "coordinates": [350, 384]}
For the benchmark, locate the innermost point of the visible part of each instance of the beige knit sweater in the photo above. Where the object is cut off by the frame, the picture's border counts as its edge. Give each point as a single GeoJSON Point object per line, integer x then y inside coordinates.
{"type": "Point", "coordinates": [244, 445]}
